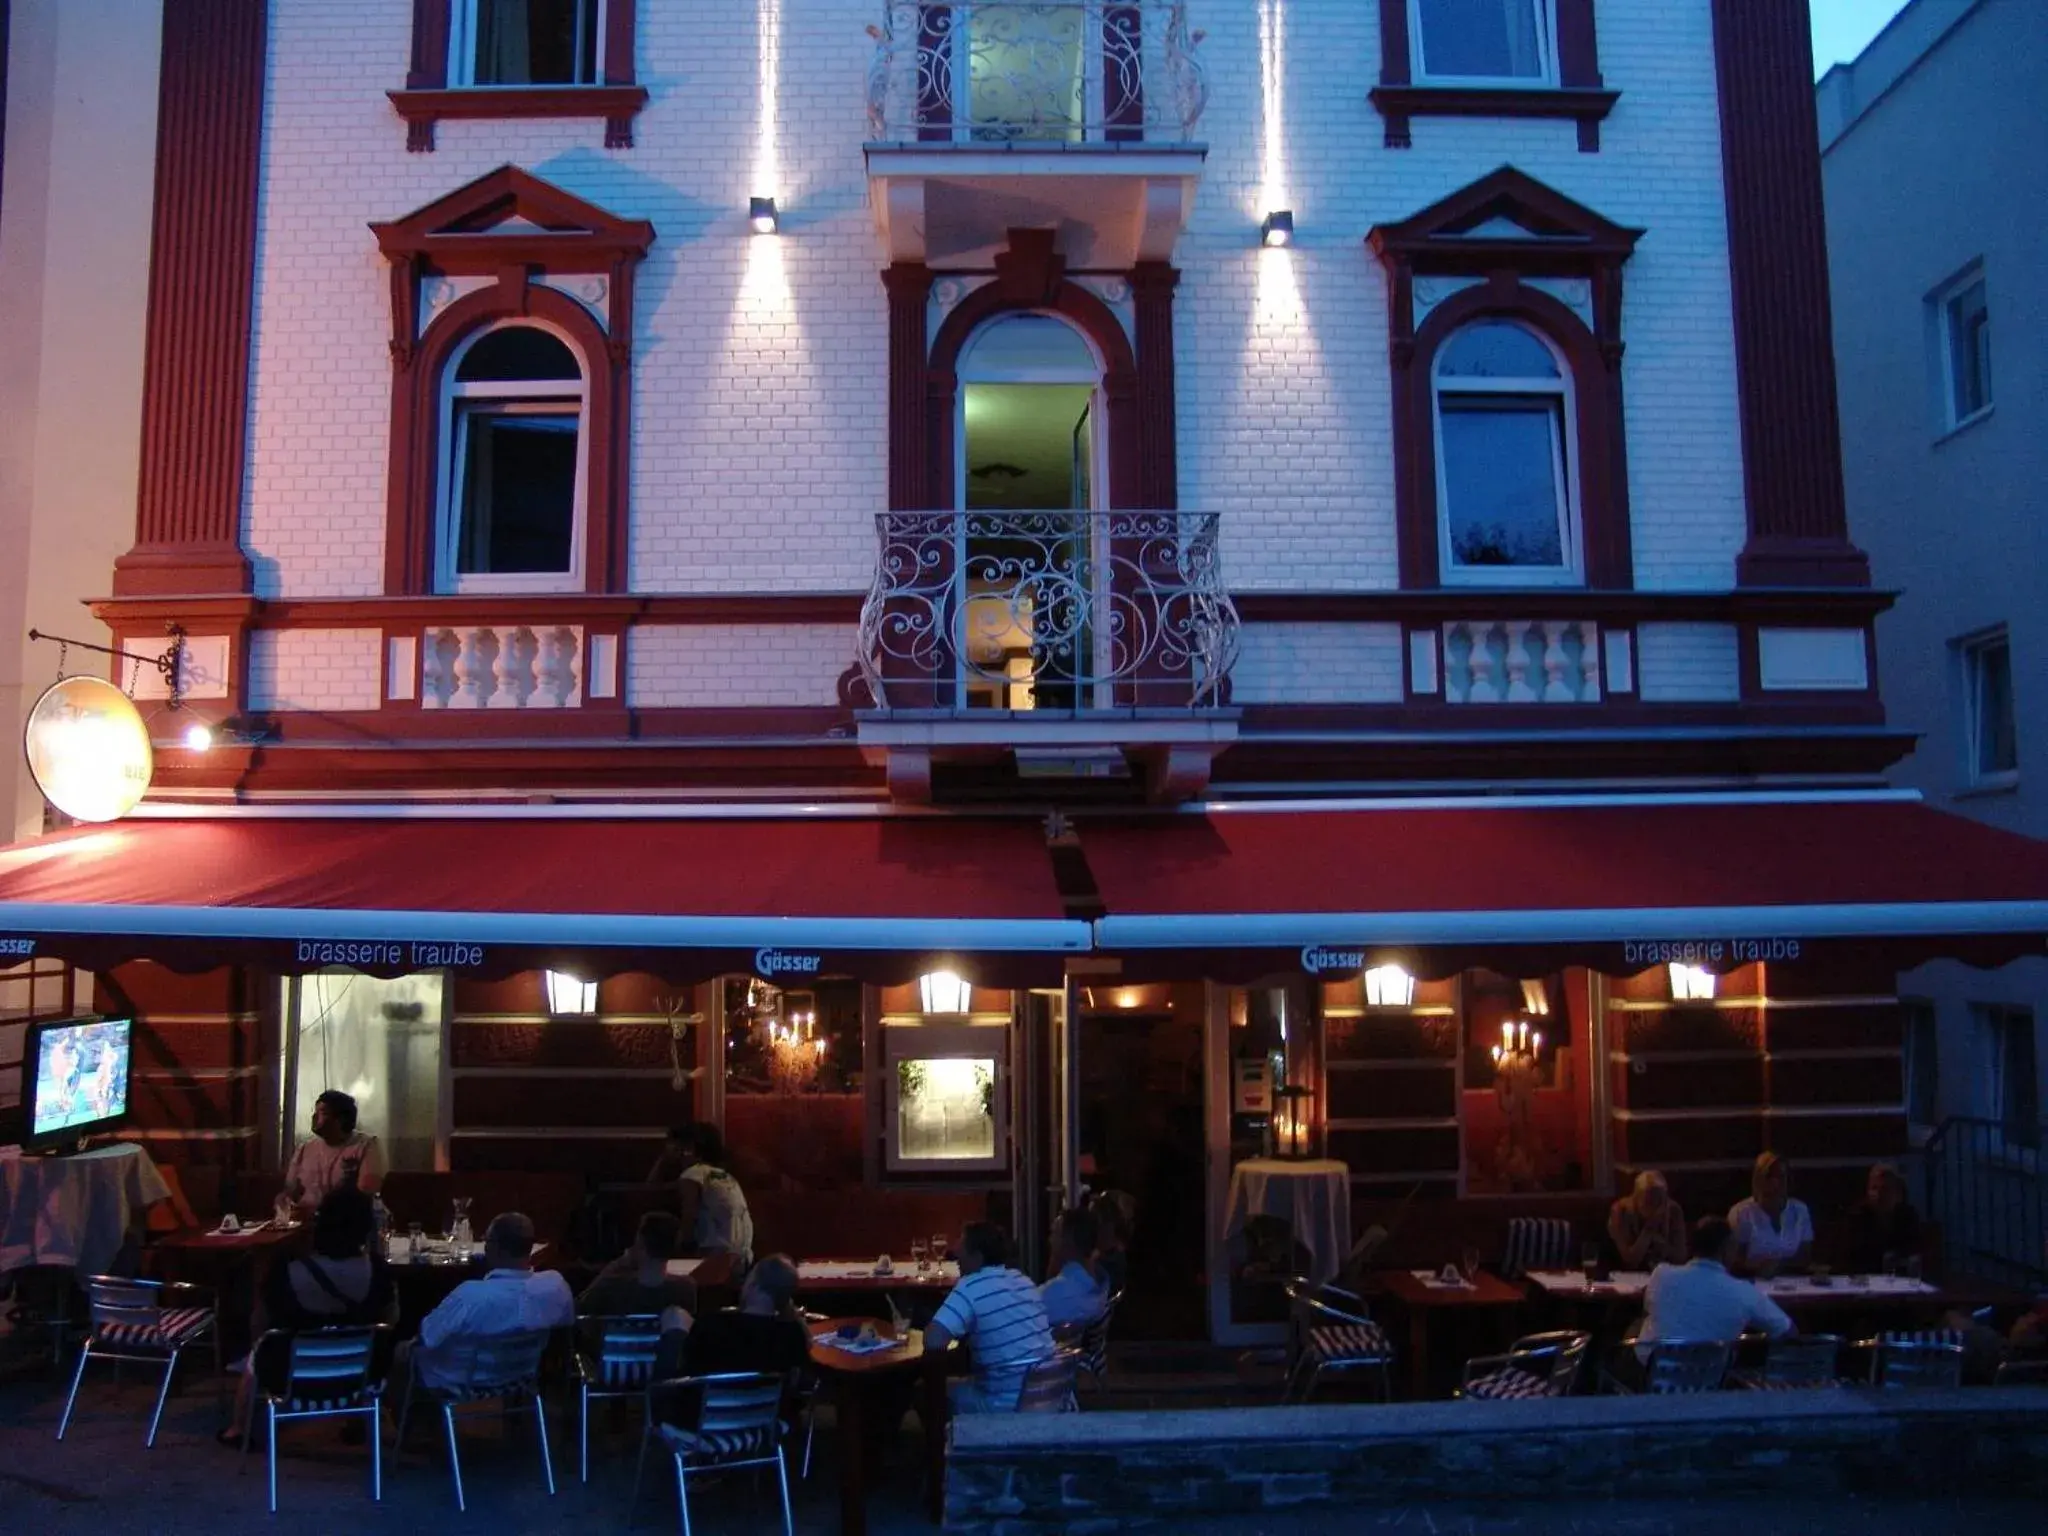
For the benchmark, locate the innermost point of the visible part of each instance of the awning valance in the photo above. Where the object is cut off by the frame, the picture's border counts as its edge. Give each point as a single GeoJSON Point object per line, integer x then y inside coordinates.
{"type": "Point", "coordinates": [1617, 886]}
{"type": "Point", "coordinates": [879, 898]}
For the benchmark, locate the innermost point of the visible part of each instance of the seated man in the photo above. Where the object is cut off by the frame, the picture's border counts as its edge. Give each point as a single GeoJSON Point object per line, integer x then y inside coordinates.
{"type": "Point", "coordinates": [999, 1313]}
{"type": "Point", "coordinates": [638, 1281]}
{"type": "Point", "coordinates": [1700, 1300]}
{"type": "Point", "coordinates": [336, 1154]}
{"type": "Point", "coordinates": [1077, 1294]}
{"type": "Point", "coordinates": [763, 1334]}
{"type": "Point", "coordinates": [1883, 1227]}
{"type": "Point", "coordinates": [511, 1298]}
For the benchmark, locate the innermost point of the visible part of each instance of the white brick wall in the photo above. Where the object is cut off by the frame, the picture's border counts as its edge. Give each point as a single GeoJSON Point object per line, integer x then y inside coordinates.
{"type": "Point", "coordinates": [324, 669]}
{"type": "Point", "coordinates": [1687, 663]}
{"type": "Point", "coordinates": [684, 666]}
{"type": "Point", "coordinates": [1318, 664]}
{"type": "Point", "coordinates": [760, 432]}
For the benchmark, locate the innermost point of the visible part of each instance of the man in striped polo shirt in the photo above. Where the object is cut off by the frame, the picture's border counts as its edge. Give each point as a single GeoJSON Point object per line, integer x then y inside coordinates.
{"type": "Point", "coordinates": [1001, 1316]}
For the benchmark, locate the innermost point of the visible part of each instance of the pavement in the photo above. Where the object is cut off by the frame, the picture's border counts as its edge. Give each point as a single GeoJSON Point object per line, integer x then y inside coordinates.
{"type": "Point", "coordinates": [101, 1479]}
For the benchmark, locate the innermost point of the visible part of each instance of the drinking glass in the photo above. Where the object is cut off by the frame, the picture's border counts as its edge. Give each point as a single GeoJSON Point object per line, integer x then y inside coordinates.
{"type": "Point", "coordinates": [939, 1250]}
{"type": "Point", "coordinates": [415, 1236]}
{"type": "Point", "coordinates": [1912, 1266]}
{"type": "Point", "coordinates": [1468, 1264]}
{"type": "Point", "coordinates": [1589, 1262]}
{"type": "Point", "coordinates": [459, 1227]}
{"type": "Point", "coordinates": [921, 1254]}
{"type": "Point", "coordinates": [281, 1209]}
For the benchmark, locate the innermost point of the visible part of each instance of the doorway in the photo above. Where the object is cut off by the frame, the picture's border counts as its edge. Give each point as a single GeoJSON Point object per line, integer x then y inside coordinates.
{"type": "Point", "coordinates": [1029, 429]}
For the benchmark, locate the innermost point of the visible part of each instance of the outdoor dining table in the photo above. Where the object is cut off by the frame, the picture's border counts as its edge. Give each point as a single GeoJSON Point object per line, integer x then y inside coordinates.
{"type": "Point", "coordinates": [859, 1375]}
{"type": "Point", "coordinates": [1424, 1295]}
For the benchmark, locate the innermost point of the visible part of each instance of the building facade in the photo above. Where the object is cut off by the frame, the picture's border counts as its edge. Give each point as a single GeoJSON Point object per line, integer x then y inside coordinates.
{"type": "Point", "coordinates": [1942, 390]}
{"type": "Point", "coordinates": [1080, 503]}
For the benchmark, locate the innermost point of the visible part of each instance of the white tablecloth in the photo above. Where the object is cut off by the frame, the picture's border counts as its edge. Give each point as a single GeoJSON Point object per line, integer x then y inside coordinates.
{"type": "Point", "coordinates": [864, 1269]}
{"type": "Point", "coordinates": [74, 1211]}
{"type": "Point", "coordinates": [1314, 1198]}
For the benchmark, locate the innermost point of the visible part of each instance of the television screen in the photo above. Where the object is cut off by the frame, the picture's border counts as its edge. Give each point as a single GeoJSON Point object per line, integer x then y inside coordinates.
{"type": "Point", "coordinates": [77, 1076]}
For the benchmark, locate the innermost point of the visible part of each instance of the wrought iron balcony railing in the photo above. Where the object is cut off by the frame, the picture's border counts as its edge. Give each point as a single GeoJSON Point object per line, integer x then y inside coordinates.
{"type": "Point", "coordinates": [1072, 611]}
{"type": "Point", "coordinates": [996, 72]}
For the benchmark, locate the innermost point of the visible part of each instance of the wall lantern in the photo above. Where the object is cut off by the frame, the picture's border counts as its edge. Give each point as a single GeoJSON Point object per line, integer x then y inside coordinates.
{"type": "Point", "coordinates": [944, 992]}
{"type": "Point", "coordinates": [1278, 230]}
{"type": "Point", "coordinates": [762, 215]}
{"type": "Point", "coordinates": [1388, 986]}
{"type": "Point", "coordinates": [1293, 1117]}
{"type": "Point", "coordinates": [570, 996]}
{"type": "Point", "coordinates": [1692, 984]}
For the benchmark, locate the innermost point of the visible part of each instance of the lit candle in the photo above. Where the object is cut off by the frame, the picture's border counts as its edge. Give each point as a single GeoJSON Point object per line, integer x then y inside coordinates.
{"type": "Point", "coordinates": [1507, 1035]}
{"type": "Point", "coordinates": [1536, 1042]}
{"type": "Point", "coordinates": [1496, 1055]}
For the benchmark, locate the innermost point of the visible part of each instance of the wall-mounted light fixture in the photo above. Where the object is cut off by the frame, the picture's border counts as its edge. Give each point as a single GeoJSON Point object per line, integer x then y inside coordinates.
{"type": "Point", "coordinates": [1692, 983]}
{"type": "Point", "coordinates": [1388, 986]}
{"type": "Point", "coordinates": [1278, 229]}
{"type": "Point", "coordinates": [570, 996]}
{"type": "Point", "coordinates": [944, 992]}
{"type": "Point", "coordinates": [762, 215]}
{"type": "Point", "coordinates": [1536, 999]}
{"type": "Point", "coordinates": [235, 731]}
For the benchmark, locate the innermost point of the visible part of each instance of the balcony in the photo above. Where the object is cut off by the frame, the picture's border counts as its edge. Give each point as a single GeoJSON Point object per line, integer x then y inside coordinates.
{"type": "Point", "coordinates": [988, 115]}
{"type": "Point", "coordinates": [1073, 643]}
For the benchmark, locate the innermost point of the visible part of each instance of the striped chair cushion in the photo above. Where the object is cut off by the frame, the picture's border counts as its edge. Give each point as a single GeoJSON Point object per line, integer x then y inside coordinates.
{"type": "Point", "coordinates": [358, 1397]}
{"type": "Point", "coordinates": [483, 1392]}
{"type": "Point", "coordinates": [1497, 1386]}
{"type": "Point", "coordinates": [733, 1442]}
{"type": "Point", "coordinates": [1536, 1242]}
{"type": "Point", "coordinates": [1951, 1336]}
{"type": "Point", "coordinates": [612, 1372]}
{"type": "Point", "coordinates": [1766, 1384]}
{"type": "Point", "coordinates": [174, 1327]}
{"type": "Point", "coordinates": [1348, 1341]}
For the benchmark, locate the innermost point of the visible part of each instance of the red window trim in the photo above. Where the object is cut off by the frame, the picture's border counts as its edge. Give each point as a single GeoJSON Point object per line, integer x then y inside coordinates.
{"type": "Point", "coordinates": [427, 97]}
{"type": "Point", "coordinates": [452, 237]}
{"type": "Point", "coordinates": [1566, 240]}
{"type": "Point", "coordinates": [1579, 93]}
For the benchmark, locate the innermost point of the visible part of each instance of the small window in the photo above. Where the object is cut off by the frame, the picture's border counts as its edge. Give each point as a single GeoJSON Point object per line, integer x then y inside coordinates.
{"type": "Point", "coordinates": [1991, 744]}
{"type": "Point", "coordinates": [525, 42]}
{"type": "Point", "coordinates": [2012, 1075]}
{"type": "Point", "coordinates": [1965, 339]}
{"type": "Point", "coordinates": [1504, 500]}
{"type": "Point", "coordinates": [946, 1096]}
{"type": "Point", "coordinates": [513, 505]}
{"type": "Point", "coordinates": [1922, 1064]}
{"type": "Point", "coordinates": [1493, 42]}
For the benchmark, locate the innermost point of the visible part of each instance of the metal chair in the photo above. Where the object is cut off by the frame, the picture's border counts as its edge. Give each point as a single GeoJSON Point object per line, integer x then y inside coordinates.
{"type": "Point", "coordinates": [1536, 1242]}
{"type": "Point", "coordinates": [1678, 1366]}
{"type": "Point", "coordinates": [148, 1321]}
{"type": "Point", "coordinates": [1048, 1386]}
{"type": "Point", "coordinates": [330, 1373]}
{"type": "Point", "coordinates": [1906, 1361]}
{"type": "Point", "coordinates": [1091, 1339]}
{"type": "Point", "coordinates": [717, 1424]}
{"type": "Point", "coordinates": [1538, 1365]}
{"type": "Point", "coordinates": [1329, 1330]}
{"type": "Point", "coordinates": [614, 1358]}
{"type": "Point", "coordinates": [502, 1369]}
{"type": "Point", "coordinates": [2022, 1373]}
{"type": "Point", "coordinates": [1796, 1362]}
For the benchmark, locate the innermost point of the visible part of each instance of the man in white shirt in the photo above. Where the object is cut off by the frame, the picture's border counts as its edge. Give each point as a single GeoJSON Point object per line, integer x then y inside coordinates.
{"type": "Point", "coordinates": [511, 1298]}
{"type": "Point", "coordinates": [1076, 1295]}
{"type": "Point", "coordinates": [1701, 1300]}
{"type": "Point", "coordinates": [336, 1155]}
{"type": "Point", "coordinates": [999, 1313]}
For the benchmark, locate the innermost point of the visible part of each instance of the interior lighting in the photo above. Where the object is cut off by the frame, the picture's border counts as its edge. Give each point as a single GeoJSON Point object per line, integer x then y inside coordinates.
{"type": "Point", "coordinates": [570, 996]}
{"type": "Point", "coordinates": [1388, 986]}
{"type": "Point", "coordinates": [1278, 229]}
{"type": "Point", "coordinates": [762, 215]}
{"type": "Point", "coordinates": [943, 992]}
{"type": "Point", "coordinates": [1692, 984]}
{"type": "Point", "coordinates": [198, 738]}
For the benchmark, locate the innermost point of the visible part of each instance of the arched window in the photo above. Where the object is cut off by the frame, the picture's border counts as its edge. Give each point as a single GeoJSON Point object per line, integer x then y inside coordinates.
{"type": "Point", "coordinates": [1506, 484]}
{"type": "Point", "coordinates": [512, 503]}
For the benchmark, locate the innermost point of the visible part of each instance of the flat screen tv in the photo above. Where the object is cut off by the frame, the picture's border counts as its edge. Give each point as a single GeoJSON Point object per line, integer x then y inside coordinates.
{"type": "Point", "coordinates": [74, 1080]}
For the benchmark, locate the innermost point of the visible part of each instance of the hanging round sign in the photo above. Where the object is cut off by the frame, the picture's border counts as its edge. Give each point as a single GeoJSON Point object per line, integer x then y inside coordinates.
{"type": "Point", "coordinates": [88, 749]}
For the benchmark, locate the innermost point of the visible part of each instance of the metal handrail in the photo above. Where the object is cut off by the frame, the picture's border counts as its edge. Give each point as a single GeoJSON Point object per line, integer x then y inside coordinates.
{"type": "Point", "coordinates": [1035, 72]}
{"type": "Point", "coordinates": [1988, 1188]}
{"type": "Point", "coordinates": [1066, 610]}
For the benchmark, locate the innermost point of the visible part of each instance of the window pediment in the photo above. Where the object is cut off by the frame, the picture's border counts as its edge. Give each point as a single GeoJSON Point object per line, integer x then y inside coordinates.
{"type": "Point", "coordinates": [1505, 219]}
{"type": "Point", "coordinates": [512, 215]}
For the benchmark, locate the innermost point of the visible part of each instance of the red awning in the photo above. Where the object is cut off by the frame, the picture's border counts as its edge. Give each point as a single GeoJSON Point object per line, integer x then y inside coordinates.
{"type": "Point", "coordinates": [882, 898]}
{"type": "Point", "coordinates": [1620, 886]}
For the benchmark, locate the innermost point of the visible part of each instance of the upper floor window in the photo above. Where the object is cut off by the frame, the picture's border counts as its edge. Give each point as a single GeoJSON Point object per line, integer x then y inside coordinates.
{"type": "Point", "coordinates": [1991, 741]}
{"type": "Point", "coordinates": [1922, 1061]}
{"type": "Point", "coordinates": [2011, 1081]}
{"type": "Point", "coordinates": [1492, 42]}
{"type": "Point", "coordinates": [513, 505]}
{"type": "Point", "coordinates": [1963, 320]}
{"type": "Point", "coordinates": [1504, 482]}
{"type": "Point", "coordinates": [525, 42]}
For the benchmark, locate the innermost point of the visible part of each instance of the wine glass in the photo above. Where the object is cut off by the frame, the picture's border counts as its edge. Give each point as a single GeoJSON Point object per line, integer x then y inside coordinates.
{"type": "Point", "coordinates": [459, 1227]}
{"type": "Point", "coordinates": [1468, 1264]}
{"type": "Point", "coordinates": [416, 1242]}
{"type": "Point", "coordinates": [921, 1255]}
{"type": "Point", "coordinates": [939, 1250]}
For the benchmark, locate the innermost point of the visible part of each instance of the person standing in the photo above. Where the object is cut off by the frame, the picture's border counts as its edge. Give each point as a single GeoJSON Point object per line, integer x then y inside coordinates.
{"type": "Point", "coordinates": [709, 1200]}
{"type": "Point", "coordinates": [337, 1154]}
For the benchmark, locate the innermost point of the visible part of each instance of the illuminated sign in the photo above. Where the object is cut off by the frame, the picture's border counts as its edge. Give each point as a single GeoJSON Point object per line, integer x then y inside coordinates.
{"type": "Point", "coordinates": [781, 962]}
{"type": "Point", "coordinates": [88, 749]}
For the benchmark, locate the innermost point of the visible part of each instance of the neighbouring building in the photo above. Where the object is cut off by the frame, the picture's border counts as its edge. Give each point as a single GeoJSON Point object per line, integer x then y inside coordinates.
{"type": "Point", "coordinates": [1003, 595]}
{"type": "Point", "coordinates": [1935, 203]}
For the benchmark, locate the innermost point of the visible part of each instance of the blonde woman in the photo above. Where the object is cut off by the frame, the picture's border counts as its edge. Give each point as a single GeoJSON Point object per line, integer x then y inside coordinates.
{"type": "Point", "coordinates": [1773, 1231]}
{"type": "Point", "coordinates": [1646, 1226]}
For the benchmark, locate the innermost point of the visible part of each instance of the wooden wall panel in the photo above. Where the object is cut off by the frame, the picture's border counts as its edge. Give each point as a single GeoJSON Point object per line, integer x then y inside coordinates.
{"type": "Point", "coordinates": [1397, 1093]}
{"type": "Point", "coordinates": [1396, 1151]}
{"type": "Point", "coordinates": [1722, 1138]}
{"type": "Point", "coordinates": [1838, 1080]}
{"type": "Point", "coordinates": [561, 1043]}
{"type": "Point", "coordinates": [1735, 1082]}
{"type": "Point", "coordinates": [611, 1159]}
{"type": "Point", "coordinates": [541, 1100]}
{"type": "Point", "coordinates": [1856, 1026]}
{"type": "Point", "coordinates": [1391, 1037]}
{"type": "Point", "coordinates": [1685, 1028]}
{"type": "Point", "coordinates": [1874, 1137]}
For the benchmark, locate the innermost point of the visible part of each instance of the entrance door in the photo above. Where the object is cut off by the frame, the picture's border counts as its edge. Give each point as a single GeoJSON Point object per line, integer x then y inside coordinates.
{"type": "Point", "coordinates": [1137, 1056]}
{"type": "Point", "coordinates": [1028, 430]}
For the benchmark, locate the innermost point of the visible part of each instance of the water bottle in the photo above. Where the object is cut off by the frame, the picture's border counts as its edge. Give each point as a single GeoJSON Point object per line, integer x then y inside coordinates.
{"type": "Point", "coordinates": [380, 1221]}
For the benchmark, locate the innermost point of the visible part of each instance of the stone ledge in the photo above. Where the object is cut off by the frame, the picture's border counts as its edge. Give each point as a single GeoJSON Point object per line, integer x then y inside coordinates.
{"type": "Point", "coordinates": [1025, 1474]}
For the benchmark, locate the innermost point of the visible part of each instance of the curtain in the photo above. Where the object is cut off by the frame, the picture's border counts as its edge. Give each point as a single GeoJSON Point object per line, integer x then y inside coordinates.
{"type": "Point", "coordinates": [503, 50]}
